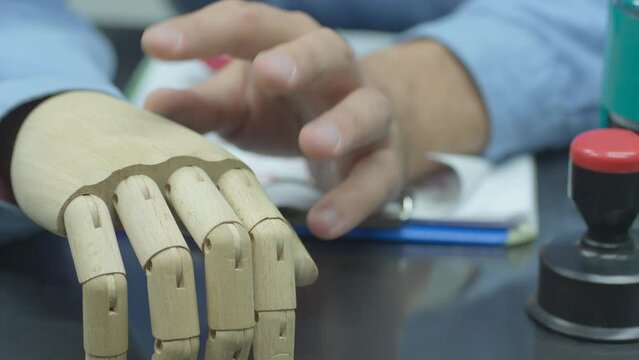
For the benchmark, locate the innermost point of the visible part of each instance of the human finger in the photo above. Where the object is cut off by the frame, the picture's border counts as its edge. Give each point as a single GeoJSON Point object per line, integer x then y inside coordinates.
{"type": "Point", "coordinates": [219, 104]}
{"type": "Point", "coordinates": [228, 104]}
{"type": "Point", "coordinates": [372, 181]}
{"type": "Point", "coordinates": [99, 267]}
{"type": "Point", "coordinates": [305, 61]}
{"type": "Point", "coordinates": [227, 260]}
{"type": "Point", "coordinates": [363, 117]}
{"type": "Point", "coordinates": [163, 253]}
{"type": "Point", "coordinates": [240, 29]}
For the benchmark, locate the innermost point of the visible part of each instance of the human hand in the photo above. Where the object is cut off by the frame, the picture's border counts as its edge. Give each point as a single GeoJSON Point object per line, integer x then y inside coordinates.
{"type": "Point", "coordinates": [84, 162]}
{"type": "Point", "coordinates": [294, 87]}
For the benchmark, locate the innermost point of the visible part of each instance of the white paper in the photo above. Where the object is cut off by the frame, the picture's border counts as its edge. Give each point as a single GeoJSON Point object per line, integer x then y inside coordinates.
{"type": "Point", "coordinates": [472, 190]}
{"type": "Point", "coordinates": [439, 196]}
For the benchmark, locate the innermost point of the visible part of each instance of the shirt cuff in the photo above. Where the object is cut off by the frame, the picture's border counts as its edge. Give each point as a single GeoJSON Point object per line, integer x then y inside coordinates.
{"type": "Point", "coordinates": [21, 91]}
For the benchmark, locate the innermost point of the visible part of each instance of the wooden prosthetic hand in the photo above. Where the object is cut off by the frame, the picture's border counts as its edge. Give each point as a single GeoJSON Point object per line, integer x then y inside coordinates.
{"type": "Point", "coordinates": [85, 164]}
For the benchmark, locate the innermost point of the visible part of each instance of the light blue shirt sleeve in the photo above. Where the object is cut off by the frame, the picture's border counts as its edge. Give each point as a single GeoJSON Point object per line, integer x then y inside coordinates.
{"type": "Point", "coordinates": [45, 50]}
{"type": "Point", "coordinates": [537, 64]}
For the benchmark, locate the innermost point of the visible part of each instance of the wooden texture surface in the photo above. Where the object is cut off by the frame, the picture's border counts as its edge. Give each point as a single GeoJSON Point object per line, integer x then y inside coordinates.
{"type": "Point", "coordinates": [185, 349]}
{"type": "Point", "coordinates": [229, 345]}
{"type": "Point", "coordinates": [247, 197]}
{"type": "Point", "coordinates": [105, 315]}
{"type": "Point", "coordinates": [229, 278]}
{"type": "Point", "coordinates": [86, 143]}
{"type": "Point", "coordinates": [99, 268]}
{"type": "Point", "coordinates": [163, 253]}
{"type": "Point", "coordinates": [172, 300]}
{"type": "Point", "coordinates": [249, 200]}
{"type": "Point", "coordinates": [92, 238]}
{"type": "Point", "coordinates": [273, 266]}
{"type": "Point", "coordinates": [146, 217]}
{"type": "Point", "coordinates": [85, 164]}
{"type": "Point", "coordinates": [198, 202]}
{"type": "Point", "coordinates": [274, 335]}
{"type": "Point", "coordinates": [226, 245]}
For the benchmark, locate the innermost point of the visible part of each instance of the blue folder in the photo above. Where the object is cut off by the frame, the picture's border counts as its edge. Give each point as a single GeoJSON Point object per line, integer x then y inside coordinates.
{"type": "Point", "coordinates": [427, 233]}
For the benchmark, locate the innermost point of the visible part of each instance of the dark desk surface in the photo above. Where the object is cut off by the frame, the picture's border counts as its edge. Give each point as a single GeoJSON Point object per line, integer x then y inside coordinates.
{"type": "Point", "coordinates": [372, 301]}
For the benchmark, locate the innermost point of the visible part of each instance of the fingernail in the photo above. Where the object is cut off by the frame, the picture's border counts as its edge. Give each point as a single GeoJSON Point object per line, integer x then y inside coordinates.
{"type": "Point", "coordinates": [280, 65]}
{"type": "Point", "coordinates": [164, 37]}
{"type": "Point", "coordinates": [330, 133]}
{"type": "Point", "coordinates": [330, 218]}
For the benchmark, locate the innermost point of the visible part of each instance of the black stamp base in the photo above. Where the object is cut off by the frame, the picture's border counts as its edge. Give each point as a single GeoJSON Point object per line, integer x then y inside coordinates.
{"type": "Point", "coordinates": [588, 293]}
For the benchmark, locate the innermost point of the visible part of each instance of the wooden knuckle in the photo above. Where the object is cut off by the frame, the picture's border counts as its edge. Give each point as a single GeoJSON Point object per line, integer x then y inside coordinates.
{"type": "Point", "coordinates": [273, 265]}
{"type": "Point", "coordinates": [105, 315]}
{"type": "Point", "coordinates": [198, 202]}
{"type": "Point", "coordinates": [92, 239]}
{"type": "Point", "coordinates": [229, 278]}
{"type": "Point", "coordinates": [274, 335]}
{"type": "Point", "coordinates": [246, 196]}
{"type": "Point", "coordinates": [229, 345]}
{"type": "Point", "coordinates": [182, 349]}
{"type": "Point", "coordinates": [172, 299]}
{"type": "Point", "coordinates": [146, 218]}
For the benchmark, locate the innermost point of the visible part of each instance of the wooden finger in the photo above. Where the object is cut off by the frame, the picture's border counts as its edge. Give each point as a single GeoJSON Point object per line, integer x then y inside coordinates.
{"type": "Point", "coordinates": [226, 245]}
{"type": "Point", "coordinates": [249, 200]}
{"type": "Point", "coordinates": [146, 218]}
{"type": "Point", "coordinates": [105, 316]}
{"type": "Point", "coordinates": [100, 270]}
{"type": "Point", "coordinates": [198, 202]}
{"type": "Point", "coordinates": [172, 301]}
{"type": "Point", "coordinates": [273, 266]}
{"type": "Point", "coordinates": [162, 251]}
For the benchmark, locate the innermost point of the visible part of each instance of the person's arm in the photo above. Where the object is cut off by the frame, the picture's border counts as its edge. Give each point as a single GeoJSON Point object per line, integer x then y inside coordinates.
{"type": "Point", "coordinates": [493, 77]}
{"type": "Point", "coordinates": [46, 50]}
{"type": "Point", "coordinates": [536, 64]}
{"type": "Point", "coordinates": [298, 89]}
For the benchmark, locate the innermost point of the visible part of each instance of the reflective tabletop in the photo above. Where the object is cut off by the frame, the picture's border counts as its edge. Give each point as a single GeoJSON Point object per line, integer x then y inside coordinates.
{"type": "Point", "coordinates": [372, 300]}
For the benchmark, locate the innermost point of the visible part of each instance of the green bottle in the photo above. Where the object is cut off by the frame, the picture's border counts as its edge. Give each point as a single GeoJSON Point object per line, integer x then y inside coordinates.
{"type": "Point", "coordinates": [620, 98]}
